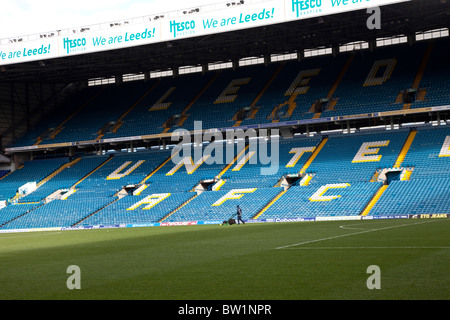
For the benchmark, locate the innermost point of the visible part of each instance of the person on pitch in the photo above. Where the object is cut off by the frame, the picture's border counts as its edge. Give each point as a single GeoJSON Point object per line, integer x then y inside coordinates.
{"type": "Point", "coordinates": [239, 215]}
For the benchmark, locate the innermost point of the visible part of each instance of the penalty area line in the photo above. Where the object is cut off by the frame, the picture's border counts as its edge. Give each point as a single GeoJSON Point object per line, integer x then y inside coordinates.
{"type": "Point", "coordinates": [352, 234]}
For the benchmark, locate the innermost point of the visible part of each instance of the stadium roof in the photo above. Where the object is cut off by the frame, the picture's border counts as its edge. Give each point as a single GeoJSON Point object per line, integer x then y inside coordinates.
{"type": "Point", "coordinates": [399, 19]}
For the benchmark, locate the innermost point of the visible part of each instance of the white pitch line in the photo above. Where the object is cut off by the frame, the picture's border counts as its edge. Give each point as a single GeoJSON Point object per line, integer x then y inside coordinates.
{"type": "Point", "coordinates": [352, 234]}
{"type": "Point", "coordinates": [352, 228]}
{"type": "Point", "coordinates": [364, 248]}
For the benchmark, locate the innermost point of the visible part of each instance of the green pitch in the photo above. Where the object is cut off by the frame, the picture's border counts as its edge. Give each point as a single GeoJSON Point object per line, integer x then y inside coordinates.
{"type": "Point", "coordinates": [306, 260]}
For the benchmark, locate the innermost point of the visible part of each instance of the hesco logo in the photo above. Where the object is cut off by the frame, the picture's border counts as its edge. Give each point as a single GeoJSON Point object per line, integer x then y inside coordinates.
{"type": "Point", "coordinates": [304, 7]}
{"type": "Point", "coordinates": [182, 28]}
{"type": "Point", "coordinates": [74, 45]}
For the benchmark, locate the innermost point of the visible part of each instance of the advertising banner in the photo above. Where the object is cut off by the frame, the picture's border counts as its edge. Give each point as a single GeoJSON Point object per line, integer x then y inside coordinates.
{"type": "Point", "coordinates": [27, 51]}
{"type": "Point", "coordinates": [232, 19]}
{"type": "Point", "coordinates": [109, 39]}
{"type": "Point", "coordinates": [303, 9]}
{"type": "Point", "coordinates": [228, 19]}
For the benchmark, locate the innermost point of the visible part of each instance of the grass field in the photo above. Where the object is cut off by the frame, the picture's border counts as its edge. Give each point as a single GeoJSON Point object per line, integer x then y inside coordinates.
{"type": "Point", "coordinates": [271, 261]}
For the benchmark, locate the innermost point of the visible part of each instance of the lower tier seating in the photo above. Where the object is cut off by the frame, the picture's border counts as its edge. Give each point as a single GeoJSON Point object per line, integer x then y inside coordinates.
{"type": "Point", "coordinates": [377, 173]}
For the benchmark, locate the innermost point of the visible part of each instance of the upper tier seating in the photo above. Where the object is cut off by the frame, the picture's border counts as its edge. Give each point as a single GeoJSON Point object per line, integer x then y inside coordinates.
{"type": "Point", "coordinates": [315, 87]}
{"type": "Point", "coordinates": [436, 78]}
{"type": "Point", "coordinates": [374, 80]}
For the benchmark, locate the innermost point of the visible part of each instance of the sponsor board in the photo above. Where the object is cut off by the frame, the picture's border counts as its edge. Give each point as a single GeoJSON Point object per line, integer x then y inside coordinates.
{"type": "Point", "coordinates": [337, 218]}
{"type": "Point", "coordinates": [430, 216]}
{"type": "Point", "coordinates": [178, 223]}
{"type": "Point", "coordinates": [405, 216]}
{"type": "Point", "coordinates": [217, 222]}
{"type": "Point", "coordinates": [234, 18]}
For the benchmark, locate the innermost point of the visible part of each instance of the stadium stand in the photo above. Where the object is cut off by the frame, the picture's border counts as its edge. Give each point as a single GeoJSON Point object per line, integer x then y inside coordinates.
{"type": "Point", "coordinates": [367, 172]}
{"type": "Point", "coordinates": [4, 173]}
{"type": "Point", "coordinates": [230, 92]}
{"type": "Point", "coordinates": [433, 89]}
{"type": "Point", "coordinates": [415, 197]}
{"type": "Point", "coordinates": [99, 113]}
{"type": "Point", "coordinates": [390, 78]}
{"type": "Point", "coordinates": [292, 156]}
{"type": "Point", "coordinates": [426, 189]}
{"type": "Point", "coordinates": [51, 125]}
{"type": "Point", "coordinates": [12, 212]}
{"type": "Point", "coordinates": [374, 81]}
{"type": "Point", "coordinates": [31, 171]}
{"type": "Point", "coordinates": [356, 157]}
{"type": "Point", "coordinates": [342, 184]}
{"type": "Point", "coordinates": [161, 107]}
{"type": "Point", "coordinates": [221, 205]}
{"type": "Point", "coordinates": [139, 209]}
{"type": "Point", "coordinates": [65, 179]}
{"type": "Point", "coordinates": [341, 199]}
